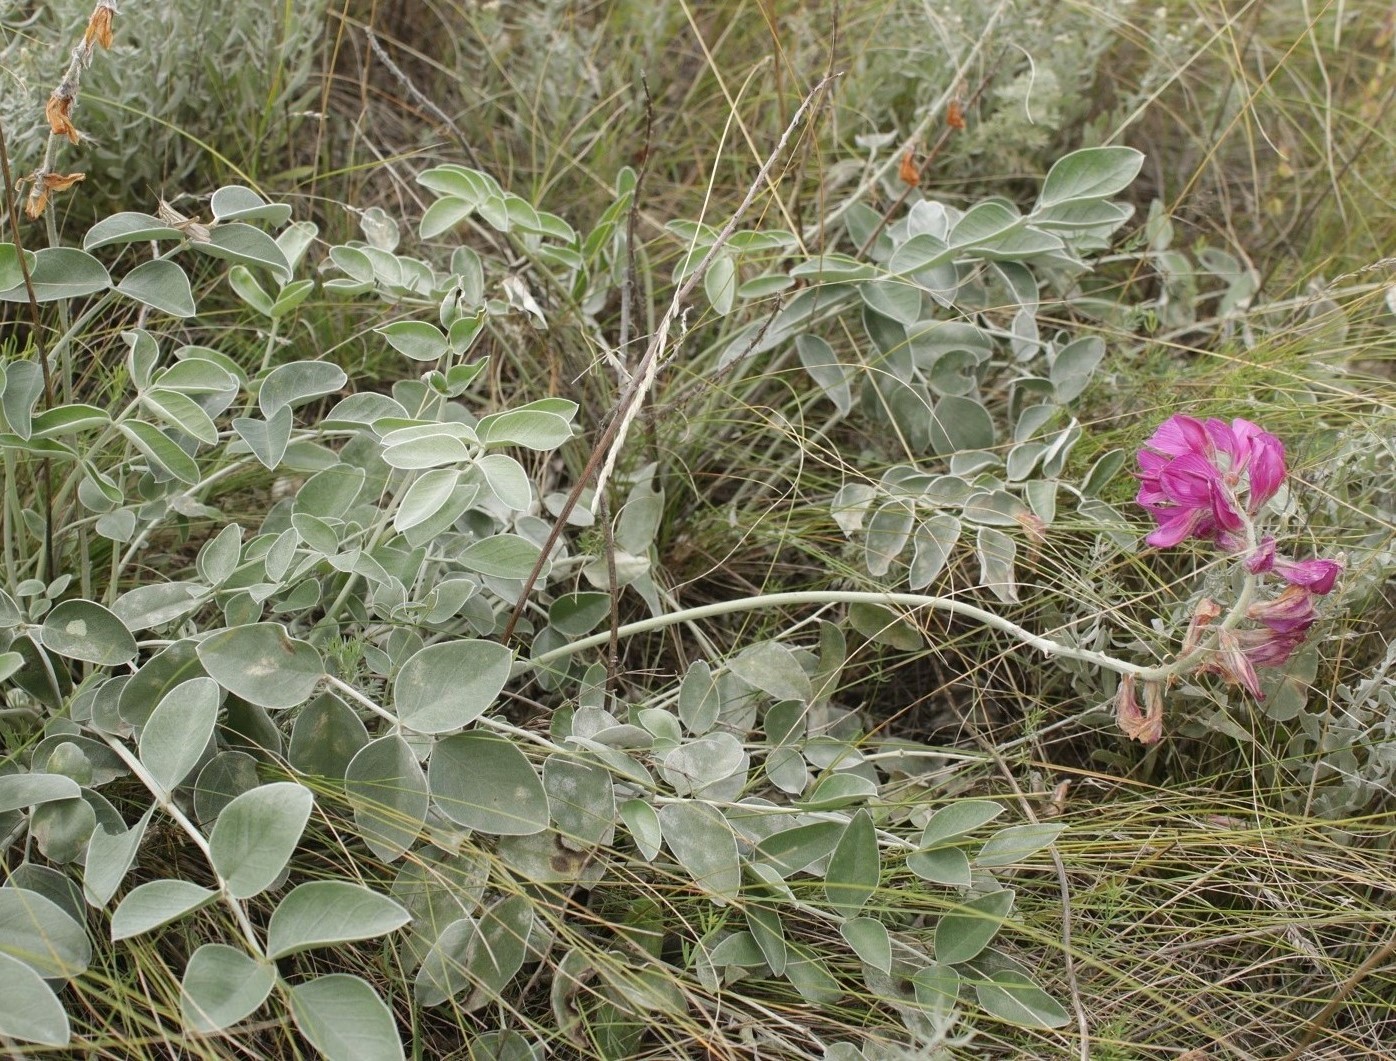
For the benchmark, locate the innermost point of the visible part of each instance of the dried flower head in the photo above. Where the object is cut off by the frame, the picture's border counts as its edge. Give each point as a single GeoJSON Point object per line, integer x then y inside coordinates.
{"type": "Point", "coordinates": [44, 185]}
{"type": "Point", "coordinates": [1145, 726]}
{"type": "Point", "coordinates": [908, 171]}
{"type": "Point", "coordinates": [58, 110]}
{"type": "Point", "coordinates": [99, 25]}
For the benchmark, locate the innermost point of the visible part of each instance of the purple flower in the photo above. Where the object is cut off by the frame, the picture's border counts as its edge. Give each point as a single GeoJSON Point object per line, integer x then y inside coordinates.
{"type": "Point", "coordinates": [1292, 612]}
{"type": "Point", "coordinates": [1317, 576]}
{"type": "Point", "coordinates": [1190, 473]}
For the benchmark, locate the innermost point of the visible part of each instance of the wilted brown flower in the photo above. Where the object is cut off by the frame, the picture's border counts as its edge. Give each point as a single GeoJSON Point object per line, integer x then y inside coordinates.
{"type": "Point", "coordinates": [58, 111]}
{"type": "Point", "coordinates": [44, 185]}
{"type": "Point", "coordinates": [99, 25]}
{"type": "Point", "coordinates": [1145, 726]}
{"type": "Point", "coordinates": [908, 171]}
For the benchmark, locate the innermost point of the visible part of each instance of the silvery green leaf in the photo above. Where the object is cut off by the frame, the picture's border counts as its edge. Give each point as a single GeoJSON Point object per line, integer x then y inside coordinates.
{"type": "Point", "coordinates": [1012, 996]}
{"type": "Point", "coordinates": [855, 867]}
{"type": "Point", "coordinates": [388, 791]}
{"type": "Point", "coordinates": [343, 1018]}
{"type": "Point", "coordinates": [703, 842]}
{"type": "Point", "coordinates": [1090, 173]}
{"type": "Point", "coordinates": [326, 737]}
{"type": "Point", "coordinates": [29, 1010]}
{"type": "Point", "coordinates": [58, 273]}
{"type": "Point", "coordinates": [161, 285]}
{"type": "Point", "coordinates": [325, 912]}
{"type": "Point", "coordinates": [1012, 845]}
{"type": "Point", "coordinates": [222, 985]}
{"type": "Point", "coordinates": [256, 833]}
{"type": "Point", "coordinates": [173, 739]}
{"type": "Point", "coordinates": [997, 552]}
{"type": "Point", "coordinates": [36, 931]}
{"type": "Point", "coordinates": [484, 782]}
{"type": "Point", "coordinates": [446, 686]}
{"type": "Point", "coordinates": [869, 939]}
{"type": "Point", "coordinates": [262, 664]}
{"type": "Point", "coordinates": [84, 630]}
{"type": "Point", "coordinates": [823, 366]}
{"type": "Point", "coordinates": [963, 933]}
{"type": "Point", "coordinates": [773, 668]}
{"type": "Point", "coordinates": [155, 903]}
{"type": "Point", "coordinates": [109, 856]}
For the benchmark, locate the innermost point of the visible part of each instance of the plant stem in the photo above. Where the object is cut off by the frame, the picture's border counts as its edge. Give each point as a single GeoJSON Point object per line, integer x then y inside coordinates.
{"type": "Point", "coordinates": [162, 798]}
{"type": "Point", "coordinates": [827, 597]}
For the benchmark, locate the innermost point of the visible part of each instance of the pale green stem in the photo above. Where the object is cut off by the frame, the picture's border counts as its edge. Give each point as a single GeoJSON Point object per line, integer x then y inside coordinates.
{"type": "Point", "coordinates": [826, 597]}
{"type": "Point", "coordinates": [379, 530]}
{"type": "Point", "coordinates": [162, 798]}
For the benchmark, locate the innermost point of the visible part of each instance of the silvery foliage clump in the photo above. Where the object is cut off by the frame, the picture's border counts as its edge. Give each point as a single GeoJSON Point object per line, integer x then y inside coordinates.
{"type": "Point", "coordinates": [341, 660]}
{"type": "Point", "coordinates": [196, 65]}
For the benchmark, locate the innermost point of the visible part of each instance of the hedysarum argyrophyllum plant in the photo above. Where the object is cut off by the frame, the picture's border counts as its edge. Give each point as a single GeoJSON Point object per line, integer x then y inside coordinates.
{"type": "Point", "coordinates": [1211, 481]}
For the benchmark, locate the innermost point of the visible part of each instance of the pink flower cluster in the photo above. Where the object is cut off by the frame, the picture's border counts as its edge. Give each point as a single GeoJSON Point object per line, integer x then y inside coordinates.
{"type": "Point", "coordinates": [1192, 472]}
{"type": "Point", "coordinates": [1209, 480]}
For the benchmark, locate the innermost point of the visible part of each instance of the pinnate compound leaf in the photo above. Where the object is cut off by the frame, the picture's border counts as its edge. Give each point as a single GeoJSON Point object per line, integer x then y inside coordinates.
{"type": "Point", "coordinates": [962, 935]}
{"type": "Point", "coordinates": [157, 903]}
{"type": "Point", "coordinates": [262, 664]}
{"type": "Point", "coordinates": [221, 986]}
{"type": "Point", "coordinates": [178, 730]}
{"type": "Point", "coordinates": [388, 792]}
{"type": "Point", "coordinates": [482, 781]}
{"type": "Point", "coordinates": [446, 686]}
{"type": "Point", "coordinates": [255, 834]}
{"type": "Point", "coordinates": [84, 630]}
{"type": "Point", "coordinates": [29, 1010]}
{"type": "Point", "coordinates": [319, 913]}
{"type": "Point", "coordinates": [343, 1017]}
{"type": "Point", "coordinates": [38, 932]}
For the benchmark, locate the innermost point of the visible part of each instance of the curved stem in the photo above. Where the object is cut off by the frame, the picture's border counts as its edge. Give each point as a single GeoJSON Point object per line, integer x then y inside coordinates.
{"type": "Point", "coordinates": [818, 597]}
{"type": "Point", "coordinates": [162, 798]}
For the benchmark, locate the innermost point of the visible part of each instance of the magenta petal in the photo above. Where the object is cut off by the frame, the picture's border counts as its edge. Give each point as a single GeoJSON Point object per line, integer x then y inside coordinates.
{"type": "Point", "coordinates": [1225, 515]}
{"type": "Point", "coordinates": [1263, 559]}
{"type": "Point", "coordinates": [1178, 435]}
{"type": "Point", "coordinates": [1267, 471]}
{"type": "Point", "coordinates": [1317, 576]}
{"type": "Point", "coordinates": [1175, 526]}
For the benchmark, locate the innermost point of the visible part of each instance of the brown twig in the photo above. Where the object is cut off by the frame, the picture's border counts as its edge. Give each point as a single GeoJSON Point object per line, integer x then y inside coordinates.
{"type": "Point", "coordinates": [613, 438]}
